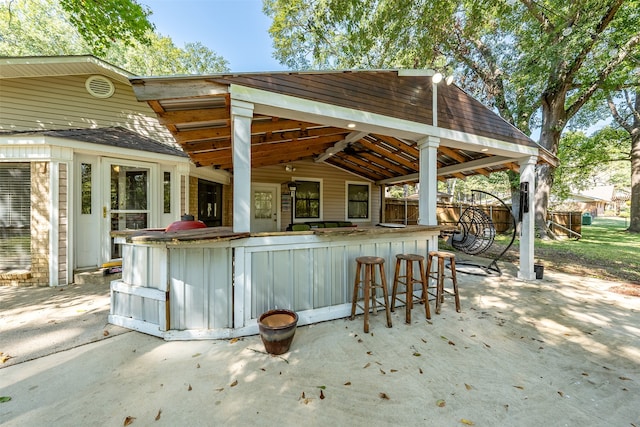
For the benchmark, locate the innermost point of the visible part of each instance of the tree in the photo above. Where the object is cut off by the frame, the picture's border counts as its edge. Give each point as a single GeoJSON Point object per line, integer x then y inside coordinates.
{"type": "Point", "coordinates": [163, 57]}
{"type": "Point", "coordinates": [588, 161]}
{"type": "Point", "coordinates": [102, 23]}
{"type": "Point", "coordinates": [42, 27]}
{"type": "Point", "coordinates": [535, 62]}
{"type": "Point", "coordinates": [627, 116]}
{"type": "Point", "coordinates": [99, 24]}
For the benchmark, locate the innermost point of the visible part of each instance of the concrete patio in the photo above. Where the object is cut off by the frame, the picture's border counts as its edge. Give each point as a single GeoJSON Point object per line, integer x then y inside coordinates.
{"type": "Point", "coordinates": [564, 350]}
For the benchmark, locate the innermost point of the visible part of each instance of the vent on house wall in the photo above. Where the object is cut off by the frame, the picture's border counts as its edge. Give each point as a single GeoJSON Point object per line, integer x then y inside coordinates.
{"type": "Point", "coordinates": [99, 86]}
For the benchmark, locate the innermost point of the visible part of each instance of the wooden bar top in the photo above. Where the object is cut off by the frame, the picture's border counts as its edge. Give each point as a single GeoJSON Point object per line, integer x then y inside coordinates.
{"type": "Point", "coordinates": [227, 233]}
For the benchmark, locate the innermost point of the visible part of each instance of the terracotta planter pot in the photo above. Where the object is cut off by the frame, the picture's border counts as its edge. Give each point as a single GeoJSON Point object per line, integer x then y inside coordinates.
{"type": "Point", "coordinates": [277, 328]}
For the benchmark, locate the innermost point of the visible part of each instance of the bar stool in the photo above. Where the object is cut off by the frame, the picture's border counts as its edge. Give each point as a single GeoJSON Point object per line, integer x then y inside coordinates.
{"type": "Point", "coordinates": [407, 281]}
{"type": "Point", "coordinates": [440, 275]}
{"type": "Point", "coordinates": [369, 287]}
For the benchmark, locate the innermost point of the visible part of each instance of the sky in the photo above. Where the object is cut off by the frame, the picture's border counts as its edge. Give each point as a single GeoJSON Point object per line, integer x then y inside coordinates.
{"type": "Point", "coordinates": [237, 30]}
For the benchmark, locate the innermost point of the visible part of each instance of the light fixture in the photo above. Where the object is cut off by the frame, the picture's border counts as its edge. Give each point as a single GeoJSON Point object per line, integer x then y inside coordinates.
{"type": "Point", "coordinates": [292, 186]}
{"type": "Point", "coordinates": [289, 168]}
{"type": "Point", "coordinates": [351, 125]}
{"type": "Point", "coordinates": [484, 150]}
{"type": "Point", "coordinates": [449, 80]}
{"type": "Point", "coordinates": [437, 78]}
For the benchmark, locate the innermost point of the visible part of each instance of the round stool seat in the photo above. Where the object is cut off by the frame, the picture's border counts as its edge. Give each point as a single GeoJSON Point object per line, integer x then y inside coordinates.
{"type": "Point", "coordinates": [370, 260]}
{"type": "Point", "coordinates": [442, 254]}
{"type": "Point", "coordinates": [410, 257]}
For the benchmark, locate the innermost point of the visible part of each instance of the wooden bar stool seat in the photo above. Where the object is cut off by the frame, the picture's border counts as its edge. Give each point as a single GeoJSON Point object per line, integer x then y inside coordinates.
{"type": "Point", "coordinates": [369, 288]}
{"type": "Point", "coordinates": [407, 280]}
{"type": "Point", "coordinates": [440, 275]}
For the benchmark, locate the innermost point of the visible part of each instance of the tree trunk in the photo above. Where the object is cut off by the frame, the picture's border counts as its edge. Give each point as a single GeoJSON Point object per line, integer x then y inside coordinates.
{"type": "Point", "coordinates": [634, 217]}
{"type": "Point", "coordinates": [553, 122]}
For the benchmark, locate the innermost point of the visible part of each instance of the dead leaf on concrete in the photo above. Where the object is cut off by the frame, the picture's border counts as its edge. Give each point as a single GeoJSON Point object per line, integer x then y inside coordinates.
{"type": "Point", "coordinates": [158, 416]}
{"type": "Point", "coordinates": [440, 403]}
{"type": "Point", "coordinates": [234, 340]}
{"type": "Point", "coordinates": [561, 394]}
{"type": "Point", "coordinates": [625, 378]}
{"type": "Point", "coordinates": [128, 421]}
{"type": "Point", "coordinates": [196, 355]}
{"type": "Point", "coordinates": [234, 383]}
{"type": "Point", "coordinates": [467, 386]}
{"type": "Point", "coordinates": [384, 396]}
{"type": "Point", "coordinates": [366, 366]}
{"type": "Point", "coordinates": [5, 357]}
{"type": "Point", "coordinates": [519, 387]}
{"type": "Point", "coordinates": [105, 333]}
{"type": "Point", "coordinates": [321, 395]}
{"type": "Point", "coordinates": [467, 422]}
{"type": "Point", "coordinates": [190, 388]}
{"type": "Point", "coordinates": [347, 383]}
{"type": "Point", "coordinates": [383, 372]}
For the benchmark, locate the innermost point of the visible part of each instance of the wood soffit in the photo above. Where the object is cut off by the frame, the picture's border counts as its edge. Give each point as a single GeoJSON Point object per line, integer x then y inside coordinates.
{"type": "Point", "coordinates": [201, 124]}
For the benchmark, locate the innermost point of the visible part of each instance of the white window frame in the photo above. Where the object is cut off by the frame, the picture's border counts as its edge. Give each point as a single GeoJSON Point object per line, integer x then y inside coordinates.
{"type": "Point", "coordinates": [346, 201]}
{"type": "Point", "coordinates": [321, 208]}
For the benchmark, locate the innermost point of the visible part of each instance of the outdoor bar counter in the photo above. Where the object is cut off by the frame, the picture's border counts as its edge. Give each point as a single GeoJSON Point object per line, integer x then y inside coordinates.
{"type": "Point", "coordinates": [214, 283]}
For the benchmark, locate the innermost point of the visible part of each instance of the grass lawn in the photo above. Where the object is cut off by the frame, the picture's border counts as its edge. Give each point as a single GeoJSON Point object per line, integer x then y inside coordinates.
{"type": "Point", "coordinates": [605, 250]}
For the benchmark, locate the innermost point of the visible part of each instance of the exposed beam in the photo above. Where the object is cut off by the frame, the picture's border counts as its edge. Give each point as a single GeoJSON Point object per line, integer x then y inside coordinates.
{"type": "Point", "coordinates": [391, 155]}
{"type": "Point", "coordinates": [341, 145]}
{"type": "Point", "coordinates": [157, 89]}
{"type": "Point", "coordinates": [474, 165]}
{"type": "Point", "coordinates": [200, 115]}
{"type": "Point", "coordinates": [400, 145]}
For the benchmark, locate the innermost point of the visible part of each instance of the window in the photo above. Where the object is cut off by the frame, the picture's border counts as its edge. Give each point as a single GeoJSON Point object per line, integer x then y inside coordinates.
{"type": "Point", "coordinates": [308, 204]}
{"type": "Point", "coordinates": [85, 171]}
{"type": "Point", "coordinates": [358, 206]}
{"type": "Point", "coordinates": [15, 216]}
{"type": "Point", "coordinates": [167, 192]}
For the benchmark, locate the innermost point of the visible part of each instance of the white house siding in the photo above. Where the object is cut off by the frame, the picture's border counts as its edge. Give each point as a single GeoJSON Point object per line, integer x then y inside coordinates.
{"type": "Point", "coordinates": [64, 103]}
{"type": "Point", "coordinates": [333, 188]}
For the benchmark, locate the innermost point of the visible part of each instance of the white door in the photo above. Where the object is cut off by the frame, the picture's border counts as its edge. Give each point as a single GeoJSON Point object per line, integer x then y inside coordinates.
{"type": "Point", "coordinates": [87, 212]}
{"type": "Point", "coordinates": [265, 207]}
{"type": "Point", "coordinates": [127, 201]}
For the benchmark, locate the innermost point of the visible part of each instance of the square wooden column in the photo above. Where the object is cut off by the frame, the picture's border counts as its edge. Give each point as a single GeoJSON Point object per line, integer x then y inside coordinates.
{"type": "Point", "coordinates": [428, 180]}
{"type": "Point", "coordinates": [241, 115]}
{"type": "Point", "coordinates": [527, 228]}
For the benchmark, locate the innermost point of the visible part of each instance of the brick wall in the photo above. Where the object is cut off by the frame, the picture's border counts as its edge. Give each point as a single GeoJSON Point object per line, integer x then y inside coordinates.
{"type": "Point", "coordinates": [40, 225]}
{"type": "Point", "coordinates": [193, 197]}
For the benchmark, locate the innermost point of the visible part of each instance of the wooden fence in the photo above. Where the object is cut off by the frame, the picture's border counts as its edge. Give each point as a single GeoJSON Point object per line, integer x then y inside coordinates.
{"type": "Point", "coordinates": [450, 214]}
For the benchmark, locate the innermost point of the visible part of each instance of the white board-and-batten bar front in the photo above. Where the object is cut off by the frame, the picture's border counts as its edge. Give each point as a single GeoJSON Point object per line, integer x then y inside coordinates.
{"type": "Point", "coordinates": [214, 283]}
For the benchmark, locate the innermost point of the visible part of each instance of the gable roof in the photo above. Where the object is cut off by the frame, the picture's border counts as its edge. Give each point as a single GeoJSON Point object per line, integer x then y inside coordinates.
{"type": "Point", "coordinates": [197, 111]}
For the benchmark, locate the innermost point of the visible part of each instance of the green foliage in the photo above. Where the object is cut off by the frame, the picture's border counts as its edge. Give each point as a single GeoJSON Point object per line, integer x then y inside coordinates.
{"type": "Point", "coordinates": [585, 162]}
{"type": "Point", "coordinates": [37, 28]}
{"type": "Point", "coordinates": [43, 28]}
{"type": "Point", "coordinates": [102, 23]}
{"type": "Point", "coordinates": [163, 57]}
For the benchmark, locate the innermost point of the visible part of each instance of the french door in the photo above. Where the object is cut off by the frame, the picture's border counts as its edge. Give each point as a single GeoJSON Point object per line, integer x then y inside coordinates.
{"type": "Point", "coordinates": [127, 200]}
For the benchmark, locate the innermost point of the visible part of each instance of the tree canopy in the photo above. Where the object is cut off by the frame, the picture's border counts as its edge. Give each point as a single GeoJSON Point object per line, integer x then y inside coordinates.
{"type": "Point", "coordinates": [50, 27]}
{"type": "Point", "coordinates": [535, 62]}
